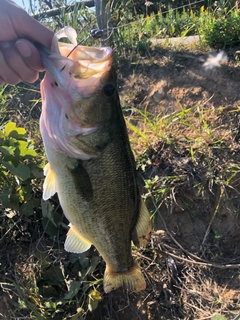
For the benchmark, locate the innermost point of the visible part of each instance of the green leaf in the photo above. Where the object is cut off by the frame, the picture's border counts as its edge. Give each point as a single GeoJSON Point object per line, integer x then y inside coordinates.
{"type": "Point", "coordinates": [43, 258]}
{"type": "Point", "coordinates": [4, 196]}
{"type": "Point", "coordinates": [50, 219]}
{"type": "Point", "coordinates": [49, 227]}
{"type": "Point", "coordinates": [28, 207]}
{"type": "Point", "coordinates": [49, 291]}
{"type": "Point", "coordinates": [218, 317]}
{"type": "Point", "coordinates": [25, 150]}
{"type": "Point", "coordinates": [47, 209]}
{"type": "Point", "coordinates": [94, 298]}
{"type": "Point", "coordinates": [37, 172]}
{"type": "Point", "coordinates": [28, 152]}
{"type": "Point", "coordinates": [14, 201]}
{"type": "Point", "coordinates": [52, 275]}
{"type": "Point", "coordinates": [25, 191]}
{"type": "Point", "coordinates": [22, 171]}
{"type": "Point", "coordinates": [12, 130]}
{"type": "Point", "coordinates": [73, 290]}
{"type": "Point", "coordinates": [8, 151]}
{"type": "Point", "coordinates": [1, 134]}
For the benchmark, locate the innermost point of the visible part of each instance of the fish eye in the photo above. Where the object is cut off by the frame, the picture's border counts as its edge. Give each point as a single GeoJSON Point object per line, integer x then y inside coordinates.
{"type": "Point", "coordinates": [109, 89]}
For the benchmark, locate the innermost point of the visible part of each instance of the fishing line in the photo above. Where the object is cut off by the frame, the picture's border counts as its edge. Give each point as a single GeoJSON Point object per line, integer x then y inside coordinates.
{"type": "Point", "coordinates": [98, 34]}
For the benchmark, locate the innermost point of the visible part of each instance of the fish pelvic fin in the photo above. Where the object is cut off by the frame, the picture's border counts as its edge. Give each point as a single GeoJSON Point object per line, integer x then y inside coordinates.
{"type": "Point", "coordinates": [49, 185]}
{"type": "Point", "coordinates": [75, 242]}
{"type": "Point", "coordinates": [132, 280]}
{"type": "Point", "coordinates": [142, 232]}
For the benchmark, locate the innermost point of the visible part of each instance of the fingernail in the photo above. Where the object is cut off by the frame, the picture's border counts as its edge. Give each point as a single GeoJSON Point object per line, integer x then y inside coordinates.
{"type": "Point", "coordinates": [23, 48]}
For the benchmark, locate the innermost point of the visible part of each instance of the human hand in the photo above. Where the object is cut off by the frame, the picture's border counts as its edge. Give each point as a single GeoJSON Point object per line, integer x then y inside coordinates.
{"type": "Point", "coordinates": [19, 58]}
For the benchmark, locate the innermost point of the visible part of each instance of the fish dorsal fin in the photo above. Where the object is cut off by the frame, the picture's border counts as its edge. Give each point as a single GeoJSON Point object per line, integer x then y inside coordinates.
{"type": "Point", "coordinates": [49, 185]}
{"type": "Point", "coordinates": [75, 242]}
{"type": "Point", "coordinates": [142, 232]}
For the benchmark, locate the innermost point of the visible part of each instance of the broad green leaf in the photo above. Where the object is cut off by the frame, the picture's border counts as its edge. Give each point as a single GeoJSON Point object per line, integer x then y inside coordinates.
{"type": "Point", "coordinates": [12, 130]}
{"type": "Point", "coordinates": [4, 196]}
{"type": "Point", "coordinates": [94, 262]}
{"type": "Point", "coordinates": [25, 150]}
{"type": "Point", "coordinates": [22, 171]}
{"type": "Point", "coordinates": [28, 207]}
{"type": "Point", "coordinates": [94, 298]}
{"type": "Point", "coordinates": [8, 151]}
{"type": "Point", "coordinates": [28, 152]}
{"type": "Point", "coordinates": [73, 290]}
{"type": "Point", "coordinates": [218, 317]}
{"type": "Point", "coordinates": [52, 275]}
{"type": "Point", "coordinates": [44, 259]}
{"type": "Point", "coordinates": [50, 220]}
{"type": "Point", "coordinates": [26, 191]}
{"type": "Point", "coordinates": [37, 172]}
{"type": "Point", "coordinates": [47, 209]}
{"type": "Point", "coordinates": [14, 201]}
{"type": "Point", "coordinates": [49, 291]}
{"type": "Point", "coordinates": [49, 227]}
{"type": "Point", "coordinates": [73, 257]}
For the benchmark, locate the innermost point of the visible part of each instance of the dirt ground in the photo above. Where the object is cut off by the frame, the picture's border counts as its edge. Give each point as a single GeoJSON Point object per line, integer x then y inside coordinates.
{"type": "Point", "coordinates": [192, 265]}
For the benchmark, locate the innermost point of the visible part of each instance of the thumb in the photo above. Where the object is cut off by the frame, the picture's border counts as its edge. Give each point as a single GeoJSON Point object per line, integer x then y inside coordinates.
{"type": "Point", "coordinates": [33, 30]}
{"type": "Point", "coordinates": [29, 54]}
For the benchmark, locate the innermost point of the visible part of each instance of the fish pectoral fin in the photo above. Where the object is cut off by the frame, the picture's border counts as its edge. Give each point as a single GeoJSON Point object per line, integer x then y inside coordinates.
{"type": "Point", "coordinates": [142, 232]}
{"type": "Point", "coordinates": [132, 280]}
{"type": "Point", "coordinates": [49, 185]}
{"type": "Point", "coordinates": [75, 242]}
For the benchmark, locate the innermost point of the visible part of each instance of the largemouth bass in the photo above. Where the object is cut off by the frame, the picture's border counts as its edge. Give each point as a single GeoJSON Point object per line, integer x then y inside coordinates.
{"type": "Point", "coordinates": [91, 165]}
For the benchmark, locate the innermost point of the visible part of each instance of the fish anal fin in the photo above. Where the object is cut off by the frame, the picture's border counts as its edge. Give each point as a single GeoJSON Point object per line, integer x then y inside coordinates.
{"type": "Point", "coordinates": [142, 232]}
{"type": "Point", "coordinates": [49, 185]}
{"type": "Point", "coordinates": [132, 280]}
{"type": "Point", "coordinates": [75, 242]}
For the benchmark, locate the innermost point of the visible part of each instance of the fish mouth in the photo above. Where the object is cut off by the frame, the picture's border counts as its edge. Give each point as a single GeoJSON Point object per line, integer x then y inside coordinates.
{"type": "Point", "coordinates": [70, 64]}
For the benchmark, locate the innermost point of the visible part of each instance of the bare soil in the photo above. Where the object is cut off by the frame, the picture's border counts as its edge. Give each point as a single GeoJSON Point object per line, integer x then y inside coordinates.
{"type": "Point", "coordinates": [192, 265]}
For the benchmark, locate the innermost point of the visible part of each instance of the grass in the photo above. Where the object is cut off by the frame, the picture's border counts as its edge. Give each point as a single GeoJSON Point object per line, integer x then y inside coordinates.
{"type": "Point", "coordinates": [189, 168]}
{"type": "Point", "coordinates": [199, 140]}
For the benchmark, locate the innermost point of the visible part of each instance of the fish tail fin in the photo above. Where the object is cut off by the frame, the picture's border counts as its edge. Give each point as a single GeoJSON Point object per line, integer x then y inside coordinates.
{"type": "Point", "coordinates": [132, 280]}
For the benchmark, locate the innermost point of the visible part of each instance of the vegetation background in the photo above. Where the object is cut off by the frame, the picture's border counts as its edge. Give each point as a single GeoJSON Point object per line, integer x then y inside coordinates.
{"type": "Point", "coordinates": [183, 121]}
